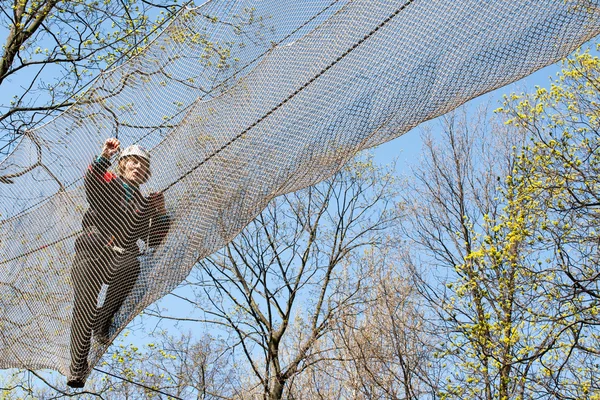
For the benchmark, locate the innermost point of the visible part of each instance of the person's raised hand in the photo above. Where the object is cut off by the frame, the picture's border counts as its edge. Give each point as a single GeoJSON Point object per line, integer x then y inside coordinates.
{"type": "Point", "coordinates": [110, 148]}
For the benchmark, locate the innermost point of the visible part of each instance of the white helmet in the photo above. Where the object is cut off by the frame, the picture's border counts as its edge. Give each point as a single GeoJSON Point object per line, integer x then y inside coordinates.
{"type": "Point", "coordinates": [135, 150]}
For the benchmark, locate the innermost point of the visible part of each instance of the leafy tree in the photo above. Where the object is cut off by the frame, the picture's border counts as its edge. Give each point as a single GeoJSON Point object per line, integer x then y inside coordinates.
{"type": "Point", "coordinates": [173, 364]}
{"type": "Point", "coordinates": [561, 165]}
{"type": "Point", "coordinates": [473, 232]}
{"type": "Point", "coordinates": [53, 48]}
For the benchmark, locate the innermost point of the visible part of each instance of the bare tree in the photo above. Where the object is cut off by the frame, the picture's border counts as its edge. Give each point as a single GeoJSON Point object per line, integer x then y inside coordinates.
{"type": "Point", "coordinates": [383, 346]}
{"type": "Point", "coordinates": [278, 290]}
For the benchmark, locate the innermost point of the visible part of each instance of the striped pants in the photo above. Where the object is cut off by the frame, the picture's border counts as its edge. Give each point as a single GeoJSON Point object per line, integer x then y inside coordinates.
{"type": "Point", "coordinates": [91, 271]}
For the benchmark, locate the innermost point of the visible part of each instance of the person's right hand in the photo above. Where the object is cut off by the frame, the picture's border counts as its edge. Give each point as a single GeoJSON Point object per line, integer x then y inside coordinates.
{"type": "Point", "coordinates": [110, 148]}
{"type": "Point", "coordinates": [157, 203]}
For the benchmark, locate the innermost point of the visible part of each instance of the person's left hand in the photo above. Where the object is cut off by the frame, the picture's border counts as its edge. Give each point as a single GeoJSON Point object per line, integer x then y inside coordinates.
{"type": "Point", "coordinates": [157, 203]}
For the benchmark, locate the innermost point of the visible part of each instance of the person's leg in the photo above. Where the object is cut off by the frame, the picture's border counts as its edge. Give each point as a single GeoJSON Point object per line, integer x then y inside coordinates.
{"type": "Point", "coordinates": [86, 285]}
{"type": "Point", "coordinates": [121, 284]}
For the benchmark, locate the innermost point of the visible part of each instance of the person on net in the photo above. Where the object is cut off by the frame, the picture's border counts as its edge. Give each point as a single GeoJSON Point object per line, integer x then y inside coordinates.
{"type": "Point", "coordinates": [106, 265]}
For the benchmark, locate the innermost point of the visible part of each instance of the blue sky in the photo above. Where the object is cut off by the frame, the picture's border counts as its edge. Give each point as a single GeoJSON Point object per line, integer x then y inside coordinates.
{"type": "Point", "coordinates": [406, 149]}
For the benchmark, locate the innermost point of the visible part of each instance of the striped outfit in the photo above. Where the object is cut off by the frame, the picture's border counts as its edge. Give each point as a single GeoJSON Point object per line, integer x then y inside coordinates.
{"type": "Point", "coordinates": [106, 265]}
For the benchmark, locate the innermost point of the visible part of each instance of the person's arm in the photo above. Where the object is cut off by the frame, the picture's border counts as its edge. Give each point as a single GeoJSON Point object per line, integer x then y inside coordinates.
{"type": "Point", "coordinates": [159, 230]}
{"type": "Point", "coordinates": [160, 222]}
{"type": "Point", "coordinates": [98, 168]}
{"type": "Point", "coordinates": [97, 173]}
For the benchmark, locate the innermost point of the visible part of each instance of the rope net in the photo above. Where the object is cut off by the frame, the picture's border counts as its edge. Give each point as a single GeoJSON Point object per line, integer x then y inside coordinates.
{"type": "Point", "coordinates": [238, 102]}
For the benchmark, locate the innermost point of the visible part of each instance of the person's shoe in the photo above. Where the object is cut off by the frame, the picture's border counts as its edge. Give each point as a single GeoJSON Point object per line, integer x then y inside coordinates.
{"type": "Point", "coordinates": [76, 382]}
{"type": "Point", "coordinates": [77, 379]}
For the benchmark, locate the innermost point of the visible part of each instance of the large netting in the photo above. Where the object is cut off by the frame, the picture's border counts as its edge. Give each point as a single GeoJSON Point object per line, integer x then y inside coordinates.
{"type": "Point", "coordinates": [241, 101]}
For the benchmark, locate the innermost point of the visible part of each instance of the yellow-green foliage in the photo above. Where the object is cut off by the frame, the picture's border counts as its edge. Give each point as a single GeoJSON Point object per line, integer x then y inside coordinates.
{"type": "Point", "coordinates": [559, 170]}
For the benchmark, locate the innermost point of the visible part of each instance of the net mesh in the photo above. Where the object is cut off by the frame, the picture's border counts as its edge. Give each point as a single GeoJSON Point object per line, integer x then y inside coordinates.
{"type": "Point", "coordinates": [239, 102]}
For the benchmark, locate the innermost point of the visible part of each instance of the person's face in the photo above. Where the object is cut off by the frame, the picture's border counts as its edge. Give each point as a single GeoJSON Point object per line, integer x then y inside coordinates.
{"type": "Point", "coordinates": [136, 170]}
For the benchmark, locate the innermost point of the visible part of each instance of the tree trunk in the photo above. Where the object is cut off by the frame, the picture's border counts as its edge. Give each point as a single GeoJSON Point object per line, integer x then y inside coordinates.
{"type": "Point", "coordinates": [277, 389]}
